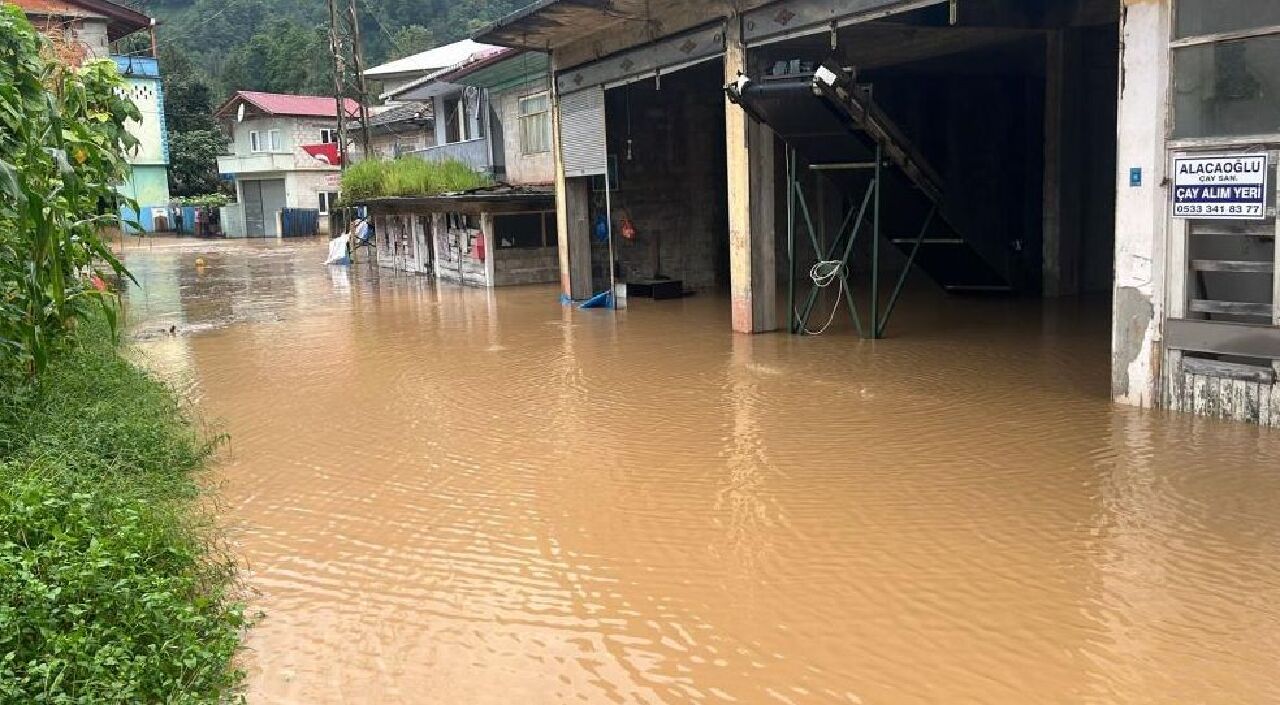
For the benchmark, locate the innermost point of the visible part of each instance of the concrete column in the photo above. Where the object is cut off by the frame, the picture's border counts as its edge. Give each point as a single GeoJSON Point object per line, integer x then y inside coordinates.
{"type": "Point", "coordinates": [1141, 211]}
{"type": "Point", "coordinates": [749, 162]}
{"type": "Point", "coordinates": [573, 227]}
{"type": "Point", "coordinates": [1061, 234]}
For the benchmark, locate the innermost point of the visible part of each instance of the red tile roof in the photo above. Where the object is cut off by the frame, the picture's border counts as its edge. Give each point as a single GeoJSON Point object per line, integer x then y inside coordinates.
{"type": "Point", "coordinates": [299, 105]}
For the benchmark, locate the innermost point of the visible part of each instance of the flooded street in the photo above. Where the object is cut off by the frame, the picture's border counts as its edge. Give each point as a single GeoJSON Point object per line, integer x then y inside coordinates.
{"type": "Point", "coordinates": [449, 495]}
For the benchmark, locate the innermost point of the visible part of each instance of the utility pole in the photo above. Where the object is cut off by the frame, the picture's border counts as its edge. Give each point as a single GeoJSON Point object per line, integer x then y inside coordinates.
{"type": "Point", "coordinates": [361, 86]}
{"type": "Point", "coordinates": [338, 49]}
{"type": "Point", "coordinates": [348, 75]}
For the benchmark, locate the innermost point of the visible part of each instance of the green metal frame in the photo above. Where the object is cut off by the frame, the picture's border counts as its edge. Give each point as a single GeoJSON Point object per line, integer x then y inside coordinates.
{"type": "Point", "coordinates": [844, 244]}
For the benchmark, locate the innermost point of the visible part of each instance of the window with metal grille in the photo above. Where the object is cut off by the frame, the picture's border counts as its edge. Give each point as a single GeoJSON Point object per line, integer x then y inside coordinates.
{"type": "Point", "coordinates": [535, 123]}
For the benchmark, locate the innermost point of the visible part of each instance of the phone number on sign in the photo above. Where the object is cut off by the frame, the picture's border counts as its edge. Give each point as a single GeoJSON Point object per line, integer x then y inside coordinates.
{"type": "Point", "coordinates": [1217, 209]}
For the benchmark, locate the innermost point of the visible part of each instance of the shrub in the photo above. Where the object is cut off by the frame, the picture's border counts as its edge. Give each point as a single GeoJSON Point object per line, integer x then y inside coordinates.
{"type": "Point", "coordinates": [111, 589]}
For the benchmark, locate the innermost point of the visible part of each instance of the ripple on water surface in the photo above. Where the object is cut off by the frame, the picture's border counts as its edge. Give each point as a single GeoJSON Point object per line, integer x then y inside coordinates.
{"type": "Point", "coordinates": [450, 495]}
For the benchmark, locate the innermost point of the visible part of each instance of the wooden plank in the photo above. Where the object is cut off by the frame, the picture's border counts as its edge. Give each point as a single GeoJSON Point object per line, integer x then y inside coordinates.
{"type": "Point", "coordinates": [1224, 338]}
{"type": "Point", "coordinates": [1226, 398]}
{"type": "Point", "coordinates": [1238, 392]}
{"type": "Point", "coordinates": [1231, 265]}
{"type": "Point", "coordinates": [1264, 404]}
{"type": "Point", "coordinates": [1229, 370]}
{"type": "Point", "coordinates": [1224, 36]}
{"type": "Point", "coordinates": [1231, 228]}
{"type": "Point", "coordinates": [1173, 374]}
{"type": "Point", "coordinates": [1183, 392]}
{"type": "Point", "coordinates": [1232, 308]}
{"type": "Point", "coordinates": [1200, 400]}
{"type": "Point", "coordinates": [1251, 396]}
{"type": "Point", "coordinates": [1275, 406]}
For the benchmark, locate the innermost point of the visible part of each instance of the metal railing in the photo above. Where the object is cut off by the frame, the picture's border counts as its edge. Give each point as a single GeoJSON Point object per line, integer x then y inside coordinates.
{"type": "Point", "coordinates": [473, 153]}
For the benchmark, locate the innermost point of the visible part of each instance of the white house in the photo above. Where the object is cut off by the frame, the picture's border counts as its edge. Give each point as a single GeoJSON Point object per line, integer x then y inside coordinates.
{"type": "Point", "coordinates": [284, 156]}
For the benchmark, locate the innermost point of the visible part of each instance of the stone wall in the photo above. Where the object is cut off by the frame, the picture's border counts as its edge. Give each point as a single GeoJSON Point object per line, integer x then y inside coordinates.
{"type": "Point", "coordinates": [527, 265]}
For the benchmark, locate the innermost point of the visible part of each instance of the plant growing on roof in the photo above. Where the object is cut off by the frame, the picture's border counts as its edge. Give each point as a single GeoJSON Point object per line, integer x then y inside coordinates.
{"type": "Point", "coordinates": [408, 176]}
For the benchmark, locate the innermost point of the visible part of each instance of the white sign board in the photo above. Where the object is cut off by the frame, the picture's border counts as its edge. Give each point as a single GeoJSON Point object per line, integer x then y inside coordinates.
{"type": "Point", "coordinates": [1220, 187]}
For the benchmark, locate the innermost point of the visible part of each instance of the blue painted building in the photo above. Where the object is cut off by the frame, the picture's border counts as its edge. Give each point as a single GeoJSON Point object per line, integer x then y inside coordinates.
{"type": "Point", "coordinates": [148, 182]}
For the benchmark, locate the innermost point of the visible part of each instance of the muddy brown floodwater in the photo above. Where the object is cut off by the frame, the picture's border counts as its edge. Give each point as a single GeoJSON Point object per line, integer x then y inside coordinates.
{"type": "Point", "coordinates": [452, 496]}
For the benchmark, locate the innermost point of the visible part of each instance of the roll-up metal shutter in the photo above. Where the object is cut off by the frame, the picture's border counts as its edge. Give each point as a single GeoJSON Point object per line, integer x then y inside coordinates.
{"type": "Point", "coordinates": [582, 132]}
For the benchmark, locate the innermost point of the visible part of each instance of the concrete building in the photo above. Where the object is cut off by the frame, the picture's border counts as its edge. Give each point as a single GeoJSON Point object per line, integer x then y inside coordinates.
{"type": "Point", "coordinates": [1050, 148]}
{"type": "Point", "coordinates": [148, 183]}
{"type": "Point", "coordinates": [88, 27]}
{"type": "Point", "coordinates": [400, 129]}
{"type": "Point", "coordinates": [461, 121]}
{"type": "Point", "coordinates": [497, 236]}
{"type": "Point", "coordinates": [283, 156]}
{"type": "Point", "coordinates": [404, 125]}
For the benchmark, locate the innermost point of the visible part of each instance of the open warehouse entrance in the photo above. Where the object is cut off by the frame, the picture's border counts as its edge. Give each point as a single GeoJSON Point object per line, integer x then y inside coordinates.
{"type": "Point", "coordinates": [971, 149]}
{"type": "Point", "coordinates": [666, 147]}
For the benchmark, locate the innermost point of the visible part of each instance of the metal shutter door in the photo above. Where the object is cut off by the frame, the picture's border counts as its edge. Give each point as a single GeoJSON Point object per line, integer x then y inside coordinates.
{"type": "Point", "coordinates": [582, 132]}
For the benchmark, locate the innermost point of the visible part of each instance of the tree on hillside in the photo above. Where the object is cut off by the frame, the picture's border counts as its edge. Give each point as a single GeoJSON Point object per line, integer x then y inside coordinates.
{"type": "Point", "coordinates": [411, 39]}
{"type": "Point", "coordinates": [193, 162]}
{"type": "Point", "coordinates": [282, 58]}
{"type": "Point", "coordinates": [281, 45]}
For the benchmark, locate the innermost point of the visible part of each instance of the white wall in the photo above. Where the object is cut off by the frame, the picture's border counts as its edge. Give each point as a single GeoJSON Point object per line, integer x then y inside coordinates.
{"type": "Point", "coordinates": [521, 168]}
{"type": "Point", "coordinates": [294, 132]}
{"type": "Point", "coordinates": [1141, 212]}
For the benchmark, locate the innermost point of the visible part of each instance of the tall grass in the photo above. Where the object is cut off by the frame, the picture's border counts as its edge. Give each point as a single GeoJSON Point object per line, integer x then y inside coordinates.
{"type": "Point", "coordinates": [112, 590]}
{"type": "Point", "coordinates": [408, 176]}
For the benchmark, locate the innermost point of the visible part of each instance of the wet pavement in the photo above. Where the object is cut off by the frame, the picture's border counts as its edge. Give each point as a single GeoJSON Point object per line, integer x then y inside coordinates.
{"type": "Point", "coordinates": [448, 495]}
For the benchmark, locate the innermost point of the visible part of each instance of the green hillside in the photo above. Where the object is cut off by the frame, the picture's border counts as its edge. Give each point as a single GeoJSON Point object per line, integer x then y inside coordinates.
{"type": "Point", "coordinates": [282, 46]}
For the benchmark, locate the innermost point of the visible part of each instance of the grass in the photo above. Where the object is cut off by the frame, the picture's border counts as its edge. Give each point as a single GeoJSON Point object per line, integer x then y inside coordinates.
{"type": "Point", "coordinates": [112, 589]}
{"type": "Point", "coordinates": [408, 176]}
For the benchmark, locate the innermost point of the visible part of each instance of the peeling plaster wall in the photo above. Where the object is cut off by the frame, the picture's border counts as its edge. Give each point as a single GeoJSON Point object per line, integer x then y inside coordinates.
{"type": "Point", "coordinates": [1141, 211]}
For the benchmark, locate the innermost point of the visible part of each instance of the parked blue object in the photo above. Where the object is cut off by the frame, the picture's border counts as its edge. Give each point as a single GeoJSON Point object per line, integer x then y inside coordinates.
{"type": "Point", "coordinates": [602, 300]}
{"type": "Point", "coordinates": [602, 228]}
{"type": "Point", "coordinates": [187, 225]}
{"type": "Point", "coordinates": [299, 222]}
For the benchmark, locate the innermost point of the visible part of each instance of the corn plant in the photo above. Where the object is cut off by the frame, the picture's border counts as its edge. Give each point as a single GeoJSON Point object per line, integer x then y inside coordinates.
{"type": "Point", "coordinates": [63, 147]}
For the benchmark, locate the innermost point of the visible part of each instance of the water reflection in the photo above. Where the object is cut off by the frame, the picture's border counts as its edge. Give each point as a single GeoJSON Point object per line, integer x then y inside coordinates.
{"type": "Point", "coordinates": [453, 495]}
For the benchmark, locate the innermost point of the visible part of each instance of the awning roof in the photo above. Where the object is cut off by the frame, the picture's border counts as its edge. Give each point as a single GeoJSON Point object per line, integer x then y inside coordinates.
{"type": "Point", "coordinates": [497, 198]}
{"type": "Point", "coordinates": [121, 21]}
{"type": "Point", "coordinates": [518, 69]}
{"type": "Point", "coordinates": [428, 61]}
{"type": "Point", "coordinates": [548, 24]}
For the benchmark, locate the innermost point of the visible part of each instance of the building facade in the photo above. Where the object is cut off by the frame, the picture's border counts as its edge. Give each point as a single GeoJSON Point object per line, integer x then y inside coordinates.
{"type": "Point", "coordinates": [283, 156]}
{"type": "Point", "coordinates": [148, 183]}
{"type": "Point", "coordinates": [491, 111]}
{"type": "Point", "coordinates": [88, 27]}
{"type": "Point", "coordinates": [1049, 149]}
